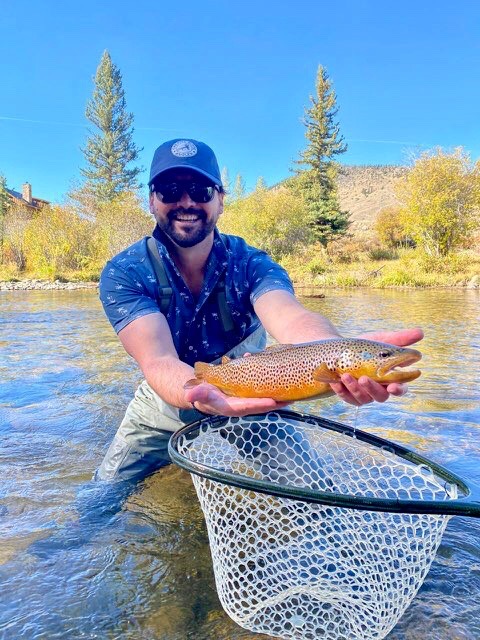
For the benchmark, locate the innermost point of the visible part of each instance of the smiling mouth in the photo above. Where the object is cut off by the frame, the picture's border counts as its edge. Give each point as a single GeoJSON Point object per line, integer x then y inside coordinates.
{"type": "Point", "coordinates": [187, 218]}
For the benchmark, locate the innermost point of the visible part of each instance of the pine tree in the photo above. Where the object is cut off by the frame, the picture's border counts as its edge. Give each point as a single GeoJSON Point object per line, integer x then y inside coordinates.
{"type": "Point", "coordinates": [225, 179]}
{"type": "Point", "coordinates": [109, 151]}
{"type": "Point", "coordinates": [4, 199]}
{"type": "Point", "coordinates": [318, 183]}
{"type": "Point", "coordinates": [260, 185]}
{"type": "Point", "coordinates": [239, 188]}
{"type": "Point", "coordinates": [4, 205]}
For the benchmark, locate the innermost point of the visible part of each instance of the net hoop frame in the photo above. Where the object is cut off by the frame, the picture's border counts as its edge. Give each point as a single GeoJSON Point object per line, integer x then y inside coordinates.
{"type": "Point", "coordinates": [462, 506]}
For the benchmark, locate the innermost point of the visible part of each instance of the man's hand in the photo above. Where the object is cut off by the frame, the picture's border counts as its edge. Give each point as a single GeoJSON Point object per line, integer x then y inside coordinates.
{"type": "Point", "coordinates": [209, 399]}
{"type": "Point", "coordinates": [365, 390]}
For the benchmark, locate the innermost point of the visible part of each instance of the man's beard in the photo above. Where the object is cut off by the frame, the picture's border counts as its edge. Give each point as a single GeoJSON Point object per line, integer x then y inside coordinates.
{"type": "Point", "coordinates": [190, 234]}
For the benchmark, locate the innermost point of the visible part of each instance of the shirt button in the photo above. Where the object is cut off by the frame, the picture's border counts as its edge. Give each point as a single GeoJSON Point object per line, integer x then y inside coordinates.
{"type": "Point", "coordinates": [190, 348]}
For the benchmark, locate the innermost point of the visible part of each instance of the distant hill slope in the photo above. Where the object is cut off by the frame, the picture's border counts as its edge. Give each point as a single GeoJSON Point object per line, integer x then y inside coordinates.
{"type": "Point", "coordinates": [364, 191]}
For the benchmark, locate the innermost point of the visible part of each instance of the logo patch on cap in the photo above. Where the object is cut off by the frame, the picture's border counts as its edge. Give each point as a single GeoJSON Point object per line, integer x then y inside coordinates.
{"type": "Point", "coordinates": [184, 149]}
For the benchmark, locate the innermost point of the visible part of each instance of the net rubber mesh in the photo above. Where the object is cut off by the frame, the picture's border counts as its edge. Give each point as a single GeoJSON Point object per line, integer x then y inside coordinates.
{"type": "Point", "coordinates": [293, 569]}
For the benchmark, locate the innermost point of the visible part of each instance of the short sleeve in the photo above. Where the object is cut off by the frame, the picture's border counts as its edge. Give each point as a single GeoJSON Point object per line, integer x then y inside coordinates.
{"type": "Point", "coordinates": [123, 296]}
{"type": "Point", "coordinates": [266, 275]}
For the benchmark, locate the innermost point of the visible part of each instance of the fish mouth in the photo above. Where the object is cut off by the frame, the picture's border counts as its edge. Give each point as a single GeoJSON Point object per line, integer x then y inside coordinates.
{"type": "Point", "coordinates": [395, 369]}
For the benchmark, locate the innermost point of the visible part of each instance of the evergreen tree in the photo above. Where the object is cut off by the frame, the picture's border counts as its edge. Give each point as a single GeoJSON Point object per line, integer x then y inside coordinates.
{"type": "Point", "coordinates": [4, 204]}
{"type": "Point", "coordinates": [226, 184]}
{"type": "Point", "coordinates": [225, 179]}
{"type": "Point", "coordinates": [318, 183]}
{"type": "Point", "coordinates": [4, 199]}
{"type": "Point", "coordinates": [260, 185]}
{"type": "Point", "coordinates": [109, 151]}
{"type": "Point", "coordinates": [239, 188]}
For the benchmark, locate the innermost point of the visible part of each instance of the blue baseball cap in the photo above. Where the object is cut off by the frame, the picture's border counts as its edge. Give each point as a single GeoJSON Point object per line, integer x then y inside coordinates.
{"type": "Point", "coordinates": [184, 153]}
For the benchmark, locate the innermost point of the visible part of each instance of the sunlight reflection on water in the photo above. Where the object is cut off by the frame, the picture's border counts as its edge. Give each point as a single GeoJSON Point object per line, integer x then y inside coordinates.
{"type": "Point", "coordinates": [74, 565]}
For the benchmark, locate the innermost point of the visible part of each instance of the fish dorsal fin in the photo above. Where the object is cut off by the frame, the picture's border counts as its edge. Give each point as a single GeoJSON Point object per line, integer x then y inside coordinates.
{"type": "Point", "coordinates": [278, 347]}
{"type": "Point", "coordinates": [225, 360]}
{"type": "Point", "coordinates": [324, 374]}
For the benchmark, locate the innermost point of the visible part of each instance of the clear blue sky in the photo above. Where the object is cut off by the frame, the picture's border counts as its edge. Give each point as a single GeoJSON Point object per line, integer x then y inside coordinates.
{"type": "Point", "coordinates": [237, 75]}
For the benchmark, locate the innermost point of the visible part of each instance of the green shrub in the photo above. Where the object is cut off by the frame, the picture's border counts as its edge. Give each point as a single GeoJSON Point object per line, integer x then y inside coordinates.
{"type": "Point", "coordinates": [452, 263]}
{"type": "Point", "coordinates": [274, 220]}
{"type": "Point", "coordinates": [348, 280]}
{"type": "Point", "coordinates": [317, 266]}
{"type": "Point", "coordinates": [380, 253]}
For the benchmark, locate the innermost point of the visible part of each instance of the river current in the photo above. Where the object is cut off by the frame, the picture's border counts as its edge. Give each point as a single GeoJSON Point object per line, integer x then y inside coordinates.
{"type": "Point", "coordinates": [79, 560]}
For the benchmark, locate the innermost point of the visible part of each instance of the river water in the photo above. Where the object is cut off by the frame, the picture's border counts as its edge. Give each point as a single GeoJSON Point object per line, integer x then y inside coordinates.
{"type": "Point", "coordinates": [83, 561]}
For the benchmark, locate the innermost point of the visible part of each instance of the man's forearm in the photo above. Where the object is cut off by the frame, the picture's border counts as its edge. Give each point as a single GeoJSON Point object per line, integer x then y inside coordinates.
{"type": "Point", "coordinates": [149, 341]}
{"type": "Point", "coordinates": [306, 327]}
{"type": "Point", "coordinates": [167, 377]}
{"type": "Point", "coordinates": [288, 321]}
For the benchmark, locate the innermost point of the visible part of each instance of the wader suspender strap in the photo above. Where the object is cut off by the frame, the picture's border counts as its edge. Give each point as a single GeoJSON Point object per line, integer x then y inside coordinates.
{"type": "Point", "coordinates": [225, 315]}
{"type": "Point", "coordinates": [165, 291]}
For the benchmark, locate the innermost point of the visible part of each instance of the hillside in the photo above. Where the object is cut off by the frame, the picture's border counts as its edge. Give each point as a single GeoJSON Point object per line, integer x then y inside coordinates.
{"type": "Point", "coordinates": [366, 190]}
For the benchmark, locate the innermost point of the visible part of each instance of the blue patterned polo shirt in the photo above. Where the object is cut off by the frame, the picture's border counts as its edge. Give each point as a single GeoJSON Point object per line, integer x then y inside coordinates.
{"type": "Point", "coordinates": [129, 290]}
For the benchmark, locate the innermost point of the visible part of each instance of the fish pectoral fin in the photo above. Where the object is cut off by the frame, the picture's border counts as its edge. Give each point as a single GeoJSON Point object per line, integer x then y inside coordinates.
{"type": "Point", "coordinates": [324, 374]}
{"type": "Point", "coordinates": [225, 360]}
{"type": "Point", "coordinates": [193, 382]}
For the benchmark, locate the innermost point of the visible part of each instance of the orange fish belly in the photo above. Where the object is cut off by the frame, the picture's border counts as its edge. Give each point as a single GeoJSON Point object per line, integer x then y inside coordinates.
{"type": "Point", "coordinates": [281, 389]}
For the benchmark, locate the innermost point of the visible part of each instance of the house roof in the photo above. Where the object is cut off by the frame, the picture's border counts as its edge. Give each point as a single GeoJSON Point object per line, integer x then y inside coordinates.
{"type": "Point", "coordinates": [15, 194]}
{"type": "Point", "coordinates": [36, 202]}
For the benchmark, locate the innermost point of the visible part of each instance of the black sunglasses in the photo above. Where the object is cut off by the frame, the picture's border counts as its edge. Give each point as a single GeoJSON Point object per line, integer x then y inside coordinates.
{"type": "Point", "coordinates": [173, 192]}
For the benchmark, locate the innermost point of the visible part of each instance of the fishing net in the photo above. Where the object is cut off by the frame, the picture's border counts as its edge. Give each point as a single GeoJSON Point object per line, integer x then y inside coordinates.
{"type": "Point", "coordinates": [301, 543]}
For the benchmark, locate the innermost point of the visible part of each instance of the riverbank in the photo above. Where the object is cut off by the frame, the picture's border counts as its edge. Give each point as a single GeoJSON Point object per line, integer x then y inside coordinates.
{"type": "Point", "coordinates": [44, 285]}
{"type": "Point", "coordinates": [308, 290]}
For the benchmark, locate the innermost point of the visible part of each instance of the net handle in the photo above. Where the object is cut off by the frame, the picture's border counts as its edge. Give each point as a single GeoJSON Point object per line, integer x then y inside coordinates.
{"type": "Point", "coordinates": [458, 507]}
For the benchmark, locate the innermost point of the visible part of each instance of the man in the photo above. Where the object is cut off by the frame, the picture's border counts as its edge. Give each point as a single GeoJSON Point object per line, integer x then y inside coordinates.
{"type": "Point", "coordinates": [186, 199]}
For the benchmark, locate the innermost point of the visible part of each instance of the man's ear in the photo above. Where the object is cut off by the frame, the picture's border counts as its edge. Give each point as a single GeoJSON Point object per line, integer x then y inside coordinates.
{"type": "Point", "coordinates": [220, 208]}
{"type": "Point", "coordinates": [150, 201]}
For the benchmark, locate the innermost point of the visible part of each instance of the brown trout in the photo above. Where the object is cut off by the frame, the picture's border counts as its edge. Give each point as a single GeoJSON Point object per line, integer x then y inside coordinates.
{"type": "Point", "coordinates": [299, 371]}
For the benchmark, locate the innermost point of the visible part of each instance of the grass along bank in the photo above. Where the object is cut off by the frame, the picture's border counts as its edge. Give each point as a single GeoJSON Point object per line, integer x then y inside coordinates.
{"type": "Point", "coordinates": [404, 268]}
{"type": "Point", "coordinates": [317, 268]}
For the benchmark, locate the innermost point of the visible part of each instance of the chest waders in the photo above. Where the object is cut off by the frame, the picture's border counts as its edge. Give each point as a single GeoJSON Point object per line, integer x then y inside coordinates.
{"type": "Point", "coordinates": [140, 445]}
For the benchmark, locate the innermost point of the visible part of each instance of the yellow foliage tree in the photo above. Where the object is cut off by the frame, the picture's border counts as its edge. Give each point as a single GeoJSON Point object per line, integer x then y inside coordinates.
{"type": "Point", "coordinates": [119, 223]}
{"type": "Point", "coordinates": [440, 198]}
{"type": "Point", "coordinates": [55, 240]}
{"type": "Point", "coordinates": [274, 220]}
{"type": "Point", "coordinates": [15, 223]}
{"type": "Point", "coordinates": [389, 227]}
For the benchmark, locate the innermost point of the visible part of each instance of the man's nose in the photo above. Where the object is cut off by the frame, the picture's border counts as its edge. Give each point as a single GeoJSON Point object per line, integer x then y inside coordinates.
{"type": "Point", "coordinates": [186, 201]}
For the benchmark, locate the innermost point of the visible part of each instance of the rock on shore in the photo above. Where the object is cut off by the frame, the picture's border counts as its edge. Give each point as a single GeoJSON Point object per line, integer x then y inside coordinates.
{"type": "Point", "coordinates": [44, 285]}
{"type": "Point", "coordinates": [474, 283]}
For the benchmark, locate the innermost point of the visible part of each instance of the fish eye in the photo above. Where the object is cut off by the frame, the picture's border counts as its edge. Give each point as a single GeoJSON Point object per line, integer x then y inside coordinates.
{"type": "Point", "coordinates": [385, 354]}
